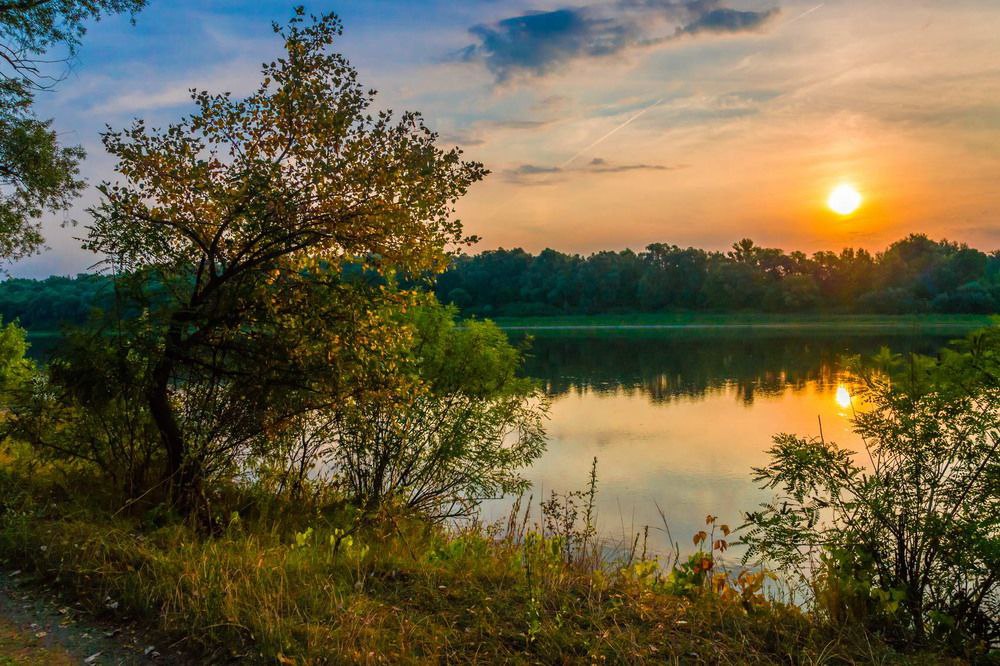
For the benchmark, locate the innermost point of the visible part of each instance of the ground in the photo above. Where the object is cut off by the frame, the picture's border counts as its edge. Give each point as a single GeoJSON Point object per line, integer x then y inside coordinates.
{"type": "Point", "coordinates": [36, 627]}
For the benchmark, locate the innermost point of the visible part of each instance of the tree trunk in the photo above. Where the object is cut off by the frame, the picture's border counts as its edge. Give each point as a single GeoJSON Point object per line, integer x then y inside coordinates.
{"type": "Point", "coordinates": [178, 473]}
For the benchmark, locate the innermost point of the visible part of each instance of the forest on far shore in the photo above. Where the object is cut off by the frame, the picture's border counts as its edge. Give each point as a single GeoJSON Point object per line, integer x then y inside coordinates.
{"type": "Point", "coordinates": [913, 275]}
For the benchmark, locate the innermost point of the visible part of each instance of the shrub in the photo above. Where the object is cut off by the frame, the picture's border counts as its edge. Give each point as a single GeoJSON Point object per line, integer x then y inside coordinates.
{"type": "Point", "coordinates": [913, 525]}
{"type": "Point", "coordinates": [460, 434]}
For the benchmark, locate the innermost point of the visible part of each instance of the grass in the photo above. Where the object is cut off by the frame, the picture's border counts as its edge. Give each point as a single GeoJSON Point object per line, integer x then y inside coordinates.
{"type": "Point", "coordinates": [275, 590]}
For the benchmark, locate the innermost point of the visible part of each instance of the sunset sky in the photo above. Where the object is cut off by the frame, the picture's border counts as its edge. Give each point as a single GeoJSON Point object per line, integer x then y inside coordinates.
{"type": "Point", "coordinates": [612, 124]}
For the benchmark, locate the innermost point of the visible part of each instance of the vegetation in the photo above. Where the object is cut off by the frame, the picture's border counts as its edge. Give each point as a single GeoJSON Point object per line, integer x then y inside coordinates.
{"type": "Point", "coordinates": [246, 213]}
{"type": "Point", "coordinates": [271, 438]}
{"type": "Point", "coordinates": [281, 583]}
{"type": "Point", "coordinates": [50, 304]}
{"type": "Point", "coordinates": [450, 440]}
{"type": "Point", "coordinates": [907, 535]}
{"type": "Point", "coordinates": [913, 275]}
{"type": "Point", "coordinates": [37, 174]}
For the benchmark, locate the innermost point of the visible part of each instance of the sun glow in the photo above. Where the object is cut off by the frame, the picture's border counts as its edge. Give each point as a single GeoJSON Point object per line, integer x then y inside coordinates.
{"type": "Point", "coordinates": [844, 199]}
{"type": "Point", "coordinates": [843, 396]}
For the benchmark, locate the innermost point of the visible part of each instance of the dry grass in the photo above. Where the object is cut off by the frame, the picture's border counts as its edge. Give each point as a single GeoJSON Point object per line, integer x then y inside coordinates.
{"type": "Point", "coordinates": [405, 592]}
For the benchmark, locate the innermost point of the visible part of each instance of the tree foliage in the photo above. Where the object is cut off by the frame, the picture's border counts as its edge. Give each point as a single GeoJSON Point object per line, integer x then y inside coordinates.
{"type": "Point", "coordinates": [460, 431]}
{"type": "Point", "coordinates": [249, 213]}
{"type": "Point", "coordinates": [663, 277]}
{"type": "Point", "coordinates": [37, 174]}
{"type": "Point", "coordinates": [909, 531]}
{"type": "Point", "coordinates": [85, 408]}
{"type": "Point", "coordinates": [912, 275]}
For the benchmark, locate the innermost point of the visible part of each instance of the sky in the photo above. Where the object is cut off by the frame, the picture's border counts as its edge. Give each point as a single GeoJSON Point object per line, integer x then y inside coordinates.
{"type": "Point", "coordinates": [615, 123]}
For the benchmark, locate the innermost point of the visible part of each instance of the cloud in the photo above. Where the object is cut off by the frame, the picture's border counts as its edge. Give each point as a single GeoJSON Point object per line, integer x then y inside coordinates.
{"type": "Point", "coordinates": [514, 124]}
{"type": "Point", "coordinates": [600, 165]}
{"type": "Point", "coordinates": [536, 174]}
{"type": "Point", "coordinates": [551, 103]}
{"type": "Point", "coordinates": [728, 20]}
{"type": "Point", "coordinates": [537, 43]}
{"type": "Point", "coordinates": [535, 170]}
{"type": "Point", "coordinates": [482, 131]}
{"type": "Point", "coordinates": [458, 139]}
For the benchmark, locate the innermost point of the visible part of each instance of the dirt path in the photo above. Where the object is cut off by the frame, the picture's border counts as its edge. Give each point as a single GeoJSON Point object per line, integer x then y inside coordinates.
{"type": "Point", "coordinates": [37, 628]}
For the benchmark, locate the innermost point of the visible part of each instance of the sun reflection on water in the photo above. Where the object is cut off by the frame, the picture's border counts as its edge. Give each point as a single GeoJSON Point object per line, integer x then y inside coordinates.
{"type": "Point", "coordinates": [843, 396]}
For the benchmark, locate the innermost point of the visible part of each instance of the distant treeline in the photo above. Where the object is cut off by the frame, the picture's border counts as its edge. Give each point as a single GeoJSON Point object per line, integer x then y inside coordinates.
{"type": "Point", "coordinates": [47, 304]}
{"type": "Point", "coordinates": [913, 275]}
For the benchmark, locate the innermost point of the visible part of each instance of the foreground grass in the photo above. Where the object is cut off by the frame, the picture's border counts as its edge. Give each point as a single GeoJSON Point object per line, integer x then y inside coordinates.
{"type": "Point", "coordinates": [934, 323]}
{"type": "Point", "coordinates": [296, 590]}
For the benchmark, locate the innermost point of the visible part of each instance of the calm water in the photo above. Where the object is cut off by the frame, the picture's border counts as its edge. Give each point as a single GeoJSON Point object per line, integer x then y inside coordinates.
{"type": "Point", "coordinates": [679, 419]}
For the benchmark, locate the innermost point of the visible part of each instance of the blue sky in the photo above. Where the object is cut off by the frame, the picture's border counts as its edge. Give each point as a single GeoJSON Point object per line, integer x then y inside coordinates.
{"type": "Point", "coordinates": [613, 123]}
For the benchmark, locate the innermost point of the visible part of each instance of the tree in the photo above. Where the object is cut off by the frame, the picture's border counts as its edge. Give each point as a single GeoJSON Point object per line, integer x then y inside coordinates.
{"type": "Point", "coordinates": [250, 211]}
{"type": "Point", "coordinates": [910, 532]}
{"type": "Point", "coordinates": [15, 368]}
{"type": "Point", "coordinates": [672, 277]}
{"type": "Point", "coordinates": [85, 407]}
{"type": "Point", "coordinates": [37, 174]}
{"type": "Point", "coordinates": [459, 433]}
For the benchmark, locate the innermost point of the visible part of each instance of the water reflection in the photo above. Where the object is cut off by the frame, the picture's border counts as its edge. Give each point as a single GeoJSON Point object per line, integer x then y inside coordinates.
{"type": "Point", "coordinates": [680, 421]}
{"type": "Point", "coordinates": [664, 368]}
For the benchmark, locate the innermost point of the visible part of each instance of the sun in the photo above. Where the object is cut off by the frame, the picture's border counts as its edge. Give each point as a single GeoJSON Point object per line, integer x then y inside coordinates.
{"type": "Point", "coordinates": [844, 199]}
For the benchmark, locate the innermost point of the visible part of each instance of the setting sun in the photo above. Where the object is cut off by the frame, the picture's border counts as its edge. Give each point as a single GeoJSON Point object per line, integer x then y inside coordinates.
{"type": "Point", "coordinates": [844, 199]}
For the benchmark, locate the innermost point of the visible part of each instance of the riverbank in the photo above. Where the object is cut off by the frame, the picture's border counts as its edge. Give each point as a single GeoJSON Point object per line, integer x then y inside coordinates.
{"type": "Point", "coordinates": [283, 584]}
{"type": "Point", "coordinates": [931, 323]}
{"type": "Point", "coordinates": [44, 341]}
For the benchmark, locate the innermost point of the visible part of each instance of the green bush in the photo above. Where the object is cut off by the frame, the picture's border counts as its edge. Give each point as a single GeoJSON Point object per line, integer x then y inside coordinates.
{"type": "Point", "coordinates": [907, 534]}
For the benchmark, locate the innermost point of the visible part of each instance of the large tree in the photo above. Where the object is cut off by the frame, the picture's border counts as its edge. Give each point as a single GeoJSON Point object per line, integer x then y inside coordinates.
{"type": "Point", "coordinates": [252, 212]}
{"type": "Point", "coordinates": [37, 173]}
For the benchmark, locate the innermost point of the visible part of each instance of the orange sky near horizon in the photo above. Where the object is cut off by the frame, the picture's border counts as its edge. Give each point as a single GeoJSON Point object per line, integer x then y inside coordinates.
{"type": "Point", "coordinates": [903, 114]}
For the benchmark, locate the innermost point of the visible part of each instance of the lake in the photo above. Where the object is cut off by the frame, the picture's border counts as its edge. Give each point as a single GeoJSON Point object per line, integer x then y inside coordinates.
{"type": "Point", "coordinates": [680, 417]}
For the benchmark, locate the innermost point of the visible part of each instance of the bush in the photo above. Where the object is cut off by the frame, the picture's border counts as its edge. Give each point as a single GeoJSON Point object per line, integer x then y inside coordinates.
{"type": "Point", "coordinates": [907, 535]}
{"type": "Point", "coordinates": [461, 433]}
{"type": "Point", "coordinates": [890, 301]}
{"type": "Point", "coordinates": [87, 408]}
{"type": "Point", "coordinates": [972, 297]}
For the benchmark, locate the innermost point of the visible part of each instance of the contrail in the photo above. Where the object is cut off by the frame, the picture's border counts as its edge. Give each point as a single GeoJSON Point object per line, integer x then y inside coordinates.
{"type": "Point", "coordinates": [660, 101]}
{"type": "Point", "coordinates": [807, 12]}
{"type": "Point", "coordinates": [804, 14]}
{"type": "Point", "coordinates": [600, 140]}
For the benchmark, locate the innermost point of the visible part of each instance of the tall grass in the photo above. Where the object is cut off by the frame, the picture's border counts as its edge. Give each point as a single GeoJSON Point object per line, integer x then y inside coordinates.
{"type": "Point", "coordinates": [313, 590]}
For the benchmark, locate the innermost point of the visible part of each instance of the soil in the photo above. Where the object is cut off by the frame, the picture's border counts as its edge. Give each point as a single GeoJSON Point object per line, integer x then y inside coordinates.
{"type": "Point", "coordinates": [37, 627]}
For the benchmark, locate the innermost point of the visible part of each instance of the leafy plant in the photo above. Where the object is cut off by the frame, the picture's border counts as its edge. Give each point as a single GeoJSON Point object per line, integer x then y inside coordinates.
{"type": "Point", "coordinates": [458, 429]}
{"type": "Point", "coordinates": [254, 214]}
{"type": "Point", "coordinates": [909, 533]}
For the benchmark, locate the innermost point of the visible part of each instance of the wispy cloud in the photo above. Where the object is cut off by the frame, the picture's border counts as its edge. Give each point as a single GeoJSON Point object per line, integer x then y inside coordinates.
{"type": "Point", "coordinates": [537, 174]}
{"type": "Point", "coordinates": [536, 43]}
{"type": "Point", "coordinates": [724, 20]}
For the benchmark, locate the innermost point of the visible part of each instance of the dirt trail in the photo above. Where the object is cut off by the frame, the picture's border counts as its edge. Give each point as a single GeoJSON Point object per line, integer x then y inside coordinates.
{"type": "Point", "coordinates": [37, 628]}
